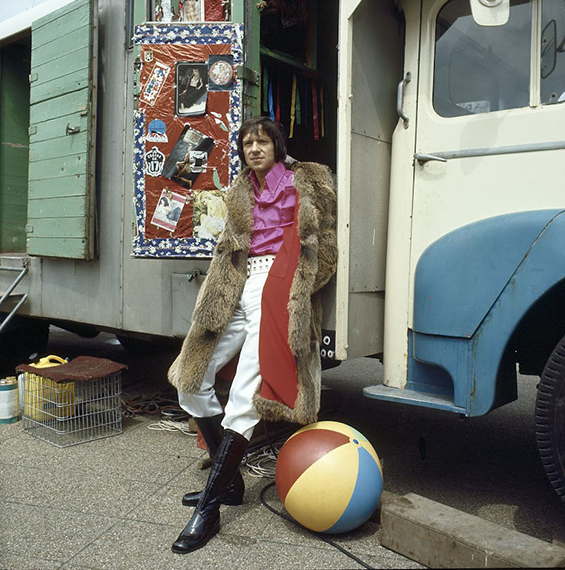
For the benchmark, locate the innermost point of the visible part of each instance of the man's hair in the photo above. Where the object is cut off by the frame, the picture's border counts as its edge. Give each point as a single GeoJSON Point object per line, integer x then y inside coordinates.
{"type": "Point", "coordinates": [254, 126]}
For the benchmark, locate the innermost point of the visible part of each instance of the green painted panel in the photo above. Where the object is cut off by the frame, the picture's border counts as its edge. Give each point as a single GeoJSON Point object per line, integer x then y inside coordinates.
{"type": "Point", "coordinates": [57, 247]}
{"type": "Point", "coordinates": [61, 22]}
{"type": "Point", "coordinates": [58, 167]}
{"type": "Point", "coordinates": [14, 161]}
{"type": "Point", "coordinates": [61, 191]}
{"type": "Point", "coordinates": [14, 146]}
{"type": "Point", "coordinates": [68, 42]}
{"type": "Point", "coordinates": [63, 207]}
{"type": "Point", "coordinates": [69, 186]}
{"type": "Point", "coordinates": [56, 128]}
{"type": "Point", "coordinates": [63, 65]}
{"type": "Point", "coordinates": [60, 107]}
{"type": "Point", "coordinates": [59, 147]}
{"type": "Point", "coordinates": [60, 86]}
{"type": "Point", "coordinates": [56, 227]}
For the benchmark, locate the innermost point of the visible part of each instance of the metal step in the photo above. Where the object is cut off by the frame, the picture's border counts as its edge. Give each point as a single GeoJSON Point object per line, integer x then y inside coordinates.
{"type": "Point", "coordinates": [11, 302]}
{"type": "Point", "coordinates": [436, 401]}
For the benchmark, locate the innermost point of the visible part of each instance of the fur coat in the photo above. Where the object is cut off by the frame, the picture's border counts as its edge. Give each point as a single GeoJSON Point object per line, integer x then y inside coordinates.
{"type": "Point", "coordinates": [316, 254]}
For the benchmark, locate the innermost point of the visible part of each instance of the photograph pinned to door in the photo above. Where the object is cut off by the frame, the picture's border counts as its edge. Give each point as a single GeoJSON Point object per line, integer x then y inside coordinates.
{"type": "Point", "coordinates": [209, 214]}
{"type": "Point", "coordinates": [168, 210]}
{"type": "Point", "coordinates": [189, 157]}
{"type": "Point", "coordinates": [191, 82]}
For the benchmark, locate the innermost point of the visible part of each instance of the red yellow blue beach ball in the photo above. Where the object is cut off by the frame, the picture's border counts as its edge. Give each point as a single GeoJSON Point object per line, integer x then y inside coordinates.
{"type": "Point", "coordinates": [329, 477]}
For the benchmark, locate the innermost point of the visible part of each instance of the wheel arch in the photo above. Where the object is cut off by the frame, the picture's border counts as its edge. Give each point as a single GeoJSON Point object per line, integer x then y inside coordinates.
{"type": "Point", "coordinates": [456, 296]}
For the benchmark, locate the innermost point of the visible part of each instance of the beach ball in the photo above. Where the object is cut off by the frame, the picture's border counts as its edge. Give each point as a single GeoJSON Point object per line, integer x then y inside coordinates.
{"type": "Point", "coordinates": [329, 477]}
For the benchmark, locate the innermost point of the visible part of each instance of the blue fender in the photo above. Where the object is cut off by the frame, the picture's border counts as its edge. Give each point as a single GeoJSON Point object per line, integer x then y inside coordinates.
{"type": "Point", "coordinates": [472, 288]}
{"type": "Point", "coordinates": [460, 276]}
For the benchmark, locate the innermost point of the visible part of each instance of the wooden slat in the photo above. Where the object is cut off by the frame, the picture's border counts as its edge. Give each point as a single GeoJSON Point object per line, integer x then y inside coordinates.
{"type": "Point", "coordinates": [59, 147]}
{"type": "Point", "coordinates": [69, 186]}
{"type": "Point", "coordinates": [63, 228]}
{"type": "Point", "coordinates": [59, 23]}
{"type": "Point", "coordinates": [60, 86]}
{"type": "Point", "coordinates": [55, 128]}
{"type": "Point", "coordinates": [57, 207]}
{"type": "Point", "coordinates": [70, 41]}
{"type": "Point", "coordinates": [68, 63]}
{"type": "Point", "coordinates": [57, 167]}
{"type": "Point", "coordinates": [57, 247]}
{"type": "Point", "coordinates": [75, 102]}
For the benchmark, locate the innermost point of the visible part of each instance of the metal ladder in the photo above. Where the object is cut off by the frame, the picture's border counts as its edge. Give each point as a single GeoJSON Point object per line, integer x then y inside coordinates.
{"type": "Point", "coordinates": [18, 299]}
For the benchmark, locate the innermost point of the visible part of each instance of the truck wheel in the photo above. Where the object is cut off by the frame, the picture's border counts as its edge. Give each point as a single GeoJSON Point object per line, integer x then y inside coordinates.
{"type": "Point", "coordinates": [21, 337]}
{"type": "Point", "coordinates": [550, 419]}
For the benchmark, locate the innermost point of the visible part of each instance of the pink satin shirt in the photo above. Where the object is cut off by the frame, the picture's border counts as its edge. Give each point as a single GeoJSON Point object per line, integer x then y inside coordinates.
{"type": "Point", "coordinates": [273, 210]}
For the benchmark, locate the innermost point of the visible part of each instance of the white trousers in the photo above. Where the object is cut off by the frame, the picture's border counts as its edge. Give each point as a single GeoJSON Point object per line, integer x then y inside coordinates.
{"type": "Point", "coordinates": [241, 335]}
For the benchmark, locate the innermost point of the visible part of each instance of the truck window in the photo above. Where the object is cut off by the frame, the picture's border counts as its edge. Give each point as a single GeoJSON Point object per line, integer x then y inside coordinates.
{"type": "Point", "coordinates": [480, 69]}
{"type": "Point", "coordinates": [553, 52]}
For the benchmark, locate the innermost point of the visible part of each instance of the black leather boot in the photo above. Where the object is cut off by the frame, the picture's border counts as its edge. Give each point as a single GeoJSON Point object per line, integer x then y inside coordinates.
{"type": "Point", "coordinates": [213, 432]}
{"type": "Point", "coordinates": [205, 522]}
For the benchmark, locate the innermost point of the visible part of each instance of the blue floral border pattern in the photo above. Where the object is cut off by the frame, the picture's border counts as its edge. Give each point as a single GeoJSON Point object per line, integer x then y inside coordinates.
{"type": "Point", "coordinates": [199, 34]}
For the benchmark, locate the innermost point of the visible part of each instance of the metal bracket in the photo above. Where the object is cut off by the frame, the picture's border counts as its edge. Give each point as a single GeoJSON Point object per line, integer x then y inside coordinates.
{"type": "Point", "coordinates": [72, 130]}
{"type": "Point", "coordinates": [247, 74]}
{"type": "Point", "coordinates": [422, 158]}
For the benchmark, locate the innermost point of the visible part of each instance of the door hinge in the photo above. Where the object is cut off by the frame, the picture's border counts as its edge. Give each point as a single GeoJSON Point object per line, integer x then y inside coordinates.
{"type": "Point", "coordinates": [247, 74]}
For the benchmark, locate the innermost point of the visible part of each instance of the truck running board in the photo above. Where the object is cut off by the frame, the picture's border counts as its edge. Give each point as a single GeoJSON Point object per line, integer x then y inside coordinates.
{"type": "Point", "coordinates": [422, 399]}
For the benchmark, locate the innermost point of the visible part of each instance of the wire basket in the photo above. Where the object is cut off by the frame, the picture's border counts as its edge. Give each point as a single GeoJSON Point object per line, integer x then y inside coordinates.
{"type": "Point", "coordinates": [69, 413]}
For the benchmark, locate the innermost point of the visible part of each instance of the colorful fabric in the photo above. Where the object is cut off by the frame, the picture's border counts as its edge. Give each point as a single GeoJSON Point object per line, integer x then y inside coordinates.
{"type": "Point", "coordinates": [276, 361]}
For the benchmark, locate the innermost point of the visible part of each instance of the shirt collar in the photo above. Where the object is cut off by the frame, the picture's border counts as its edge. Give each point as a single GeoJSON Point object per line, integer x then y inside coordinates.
{"type": "Point", "coordinates": [273, 178]}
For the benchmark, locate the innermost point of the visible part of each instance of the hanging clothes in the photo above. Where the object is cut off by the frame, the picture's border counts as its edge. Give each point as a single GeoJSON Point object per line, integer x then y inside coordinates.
{"type": "Point", "coordinates": [292, 106]}
{"type": "Point", "coordinates": [315, 111]}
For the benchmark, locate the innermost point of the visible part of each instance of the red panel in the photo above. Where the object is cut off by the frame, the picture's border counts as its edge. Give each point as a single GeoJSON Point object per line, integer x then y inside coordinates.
{"type": "Point", "coordinates": [302, 451]}
{"type": "Point", "coordinates": [276, 361]}
{"type": "Point", "coordinates": [163, 108]}
{"type": "Point", "coordinates": [214, 11]}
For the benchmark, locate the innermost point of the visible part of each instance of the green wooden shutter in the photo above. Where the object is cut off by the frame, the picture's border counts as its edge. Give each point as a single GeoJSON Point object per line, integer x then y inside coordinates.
{"type": "Point", "coordinates": [61, 198]}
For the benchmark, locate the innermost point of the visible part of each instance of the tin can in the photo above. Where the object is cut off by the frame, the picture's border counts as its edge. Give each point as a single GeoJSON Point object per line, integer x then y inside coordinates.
{"type": "Point", "coordinates": [9, 405]}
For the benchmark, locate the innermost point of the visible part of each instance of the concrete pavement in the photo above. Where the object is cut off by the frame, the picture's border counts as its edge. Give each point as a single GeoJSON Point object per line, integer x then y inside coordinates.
{"type": "Point", "coordinates": [116, 502]}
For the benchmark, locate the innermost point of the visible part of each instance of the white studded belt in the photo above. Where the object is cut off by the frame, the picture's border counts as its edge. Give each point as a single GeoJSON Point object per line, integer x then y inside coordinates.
{"type": "Point", "coordinates": [259, 264]}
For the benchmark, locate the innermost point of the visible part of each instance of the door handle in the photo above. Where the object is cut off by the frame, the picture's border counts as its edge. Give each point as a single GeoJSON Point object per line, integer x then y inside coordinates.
{"type": "Point", "coordinates": [400, 98]}
{"type": "Point", "coordinates": [422, 158]}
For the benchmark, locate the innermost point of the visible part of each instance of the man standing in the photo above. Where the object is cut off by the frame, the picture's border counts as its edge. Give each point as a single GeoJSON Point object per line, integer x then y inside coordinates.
{"type": "Point", "coordinates": [261, 299]}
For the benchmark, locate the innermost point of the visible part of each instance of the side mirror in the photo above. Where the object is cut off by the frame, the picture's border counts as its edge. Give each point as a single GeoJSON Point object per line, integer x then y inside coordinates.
{"type": "Point", "coordinates": [548, 49]}
{"type": "Point", "coordinates": [490, 12]}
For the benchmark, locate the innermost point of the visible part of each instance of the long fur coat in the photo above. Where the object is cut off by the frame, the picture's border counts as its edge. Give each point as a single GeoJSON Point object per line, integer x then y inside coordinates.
{"type": "Point", "coordinates": [224, 283]}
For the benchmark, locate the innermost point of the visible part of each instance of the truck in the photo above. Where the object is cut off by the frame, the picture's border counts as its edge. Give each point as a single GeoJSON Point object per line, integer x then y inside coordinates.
{"type": "Point", "coordinates": [442, 120]}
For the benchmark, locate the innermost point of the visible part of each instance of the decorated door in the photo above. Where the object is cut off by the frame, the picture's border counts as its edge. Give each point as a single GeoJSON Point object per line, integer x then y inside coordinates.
{"type": "Point", "coordinates": [186, 125]}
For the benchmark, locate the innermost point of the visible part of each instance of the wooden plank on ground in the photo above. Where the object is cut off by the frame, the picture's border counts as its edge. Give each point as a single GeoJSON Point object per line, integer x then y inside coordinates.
{"type": "Point", "coordinates": [439, 536]}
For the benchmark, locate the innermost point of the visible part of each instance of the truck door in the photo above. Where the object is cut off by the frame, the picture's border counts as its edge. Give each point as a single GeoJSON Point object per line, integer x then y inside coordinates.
{"type": "Point", "coordinates": [489, 136]}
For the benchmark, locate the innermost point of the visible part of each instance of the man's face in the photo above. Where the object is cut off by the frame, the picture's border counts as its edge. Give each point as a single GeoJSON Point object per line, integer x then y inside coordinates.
{"type": "Point", "coordinates": [259, 152]}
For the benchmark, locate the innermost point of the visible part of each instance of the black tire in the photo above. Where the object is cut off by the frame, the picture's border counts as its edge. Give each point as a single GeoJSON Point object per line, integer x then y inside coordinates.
{"type": "Point", "coordinates": [22, 337]}
{"type": "Point", "coordinates": [550, 419]}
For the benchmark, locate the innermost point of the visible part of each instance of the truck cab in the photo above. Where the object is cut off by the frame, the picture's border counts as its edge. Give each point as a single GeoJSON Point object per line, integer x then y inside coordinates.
{"type": "Point", "coordinates": [472, 286]}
